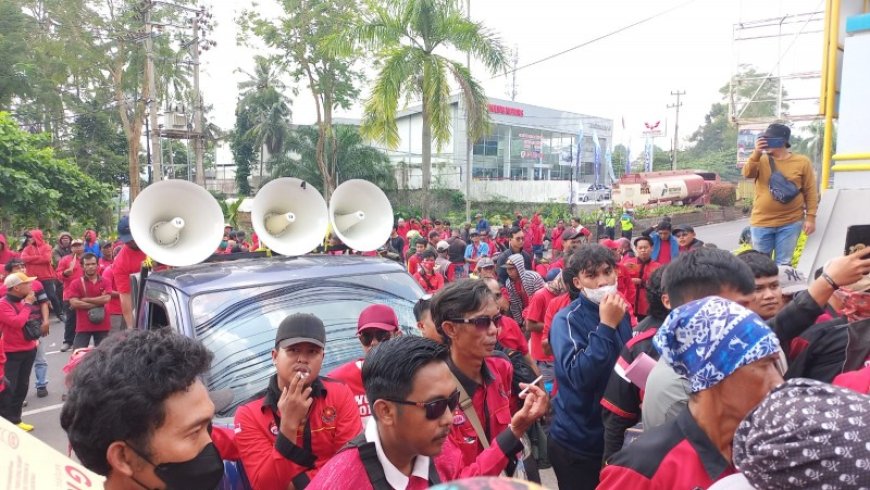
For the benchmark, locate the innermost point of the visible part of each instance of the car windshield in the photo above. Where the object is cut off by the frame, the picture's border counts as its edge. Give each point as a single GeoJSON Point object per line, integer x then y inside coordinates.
{"type": "Point", "coordinates": [239, 325]}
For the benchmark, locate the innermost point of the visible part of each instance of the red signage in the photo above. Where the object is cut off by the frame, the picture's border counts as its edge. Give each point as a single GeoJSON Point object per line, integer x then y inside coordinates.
{"type": "Point", "coordinates": [502, 109]}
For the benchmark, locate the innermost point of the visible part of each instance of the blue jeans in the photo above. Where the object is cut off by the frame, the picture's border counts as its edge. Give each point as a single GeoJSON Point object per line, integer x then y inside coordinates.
{"type": "Point", "coordinates": [778, 239]}
{"type": "Point", "coordinates": [40, 366]}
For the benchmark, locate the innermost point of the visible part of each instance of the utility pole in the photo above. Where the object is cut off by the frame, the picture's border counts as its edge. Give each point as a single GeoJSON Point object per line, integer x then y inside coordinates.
{"type": "Point", "coordinates": [512, 89]}
{"type": "Point", "coordinates": [198, 136]}
{"type": "Point", "coordinates": [676, 106]}
{"type": "Point", "coordinates": [151, 96]}
{"type": "Point", "coordinates": [468, 142]}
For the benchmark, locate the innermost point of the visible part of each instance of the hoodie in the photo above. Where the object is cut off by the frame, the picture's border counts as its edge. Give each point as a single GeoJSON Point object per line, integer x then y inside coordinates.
{"type": "Point", "coordinates": [521, 294]}
{"type": "Point", "coordinates": [92, 245]}
{"type": "Point", "coordinates": [37, 258]}
{"type": "Point", "coordinates": [5, 254]}
{"type": "Point", "coordinates": [585, 352]}
{"type": "Point", "coordinates": [59, 251]}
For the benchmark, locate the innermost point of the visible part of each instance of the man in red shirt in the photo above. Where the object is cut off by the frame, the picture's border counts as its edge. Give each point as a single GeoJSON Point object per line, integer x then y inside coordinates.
{"type": "Point", "coordinates": [19, 306]}
{"type": "Point", "coordinates": [69, 270]}
{"type": "Point", "coordinates": [623, 277]}
{"type": "Point", "coordinates": [535, 316]}
{"type": "Point", "coordinates": [285, 437]}
{"type": "Point", "coordinates": [127, 262]}
{"type": "Point", "coordinates": [41, 312]}
{"type": "Point", "coordinates": [87, 296]}
{"type": "Point", "coordinates": [412, 413]}
{"type": "Point", "coordinates": [487, 435]}
{"type": "Point", "coordinates": [639, 269]}
{"type": "Point", "coordinates": [570, 240]}
{"type": "Point", "coordinates": [37, 257]}
{"type": "Point", "coordinates": [430, 280]}
{"type": "Point", "coordinates": [509, 333]}
{"type": "Point", "coordinates": [376, 324]}
{"type": "Point", "coordinates": [414, 260]}
{"type": "Point", "coordinates": [113, 307]}
{"type": "Point", "coordinates": [665, 246]}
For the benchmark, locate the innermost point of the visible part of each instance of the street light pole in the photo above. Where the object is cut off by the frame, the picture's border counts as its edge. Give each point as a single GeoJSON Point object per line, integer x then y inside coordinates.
{"type": "Point", "coordinates": [676, 106]}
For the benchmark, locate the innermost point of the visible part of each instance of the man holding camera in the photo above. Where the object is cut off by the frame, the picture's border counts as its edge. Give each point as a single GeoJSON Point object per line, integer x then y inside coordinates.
{"type": "Point", "coordinates": [786, 196]}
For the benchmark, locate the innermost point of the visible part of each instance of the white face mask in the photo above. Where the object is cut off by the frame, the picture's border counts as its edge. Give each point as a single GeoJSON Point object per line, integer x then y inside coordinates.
{"type": "Point", "coordinates": [598, 294]}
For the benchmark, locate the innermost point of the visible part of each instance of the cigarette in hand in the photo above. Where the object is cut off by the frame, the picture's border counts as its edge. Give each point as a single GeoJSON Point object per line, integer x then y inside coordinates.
{"type": "Point", "coordinates": [536, 381]}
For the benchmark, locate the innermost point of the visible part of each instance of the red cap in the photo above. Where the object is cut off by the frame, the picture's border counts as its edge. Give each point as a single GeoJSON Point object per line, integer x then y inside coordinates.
{"type": "Point", "coordinates": [378, 316]}
{"type": "Point", "coordinates": [609, 244]}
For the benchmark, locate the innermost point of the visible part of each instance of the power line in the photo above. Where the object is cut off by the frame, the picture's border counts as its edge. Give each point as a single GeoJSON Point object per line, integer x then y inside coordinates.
{"type": "Point", "coordinates": [599, 38]}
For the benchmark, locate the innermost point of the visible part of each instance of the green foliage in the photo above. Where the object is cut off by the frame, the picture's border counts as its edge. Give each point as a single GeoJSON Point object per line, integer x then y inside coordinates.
{"type": "Point", "coordinates": [354, 159]}
{"type": "Point", "coordinates": [231, 210]}
{"type": "Point", "coordinates": [36, 187]}
{"type": "Point", "coordinates": [723, 194]}
{"type": "Point", "coordinates": [754, 93]}
{"type": "Point", "coordinates": [722, 162]}
{"type": "Point", "coordinates": [243, 148]}
{"type": "Point", "coordinates": [98, 145]}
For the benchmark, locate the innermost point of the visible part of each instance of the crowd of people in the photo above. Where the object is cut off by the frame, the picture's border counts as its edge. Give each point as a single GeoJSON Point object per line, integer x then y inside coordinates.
{"type": "Point", "coordinates": [649, 361]}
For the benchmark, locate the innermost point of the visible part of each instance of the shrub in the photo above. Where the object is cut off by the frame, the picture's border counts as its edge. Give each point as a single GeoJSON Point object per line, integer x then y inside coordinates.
{"type": "Point", "coordinates": [723, 194]}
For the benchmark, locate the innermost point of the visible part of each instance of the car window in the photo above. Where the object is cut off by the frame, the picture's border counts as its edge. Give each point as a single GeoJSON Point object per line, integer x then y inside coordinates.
{"type": "Point", "coordinates": [239, 326]}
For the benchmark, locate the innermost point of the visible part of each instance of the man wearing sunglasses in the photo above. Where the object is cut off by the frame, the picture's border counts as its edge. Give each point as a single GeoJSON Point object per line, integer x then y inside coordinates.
{"type": "Point", "coordinates": [488, 437]}
{"type": "Point", "coordinates": [412, 413]}
{"type": "Point", "coordinates": [285, 437]}
{"type": "Point", "coordinates": [376, 324]}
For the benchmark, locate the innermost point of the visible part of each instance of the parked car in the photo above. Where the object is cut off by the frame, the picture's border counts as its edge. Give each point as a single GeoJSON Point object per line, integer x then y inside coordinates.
{"type": "Point", "coordinates": [596, 192]}
{"type": "Point", "coordinates": [234, 308]}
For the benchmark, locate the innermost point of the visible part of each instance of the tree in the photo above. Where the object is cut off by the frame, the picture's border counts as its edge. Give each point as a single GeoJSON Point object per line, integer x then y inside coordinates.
{"type": "Point", "coordinates": [243, 150]}
{"type": "Point", "coordinates": [351, 158]}
{"type": "Point", "coordinates": [408, 38]}
{"type": "Point", "coordinates": [300, 36]}
{"type": "Point", "coordinates": [37, 187]}
{"type": "Point", "coordinates": [98, 146]}
{"type": "Point", "coordinates": [753, 95]}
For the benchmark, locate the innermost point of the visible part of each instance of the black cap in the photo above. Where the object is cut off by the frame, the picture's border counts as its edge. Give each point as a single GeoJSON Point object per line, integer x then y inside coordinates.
{"type": "Point", "coordinates": [664, 225]}
{"type": "Point", "coordinates": [686, 228]}
{"type": "Point", "coordinates": [124, 233]}
{"type": "Point", "coordinates": [299, 328]}
{"type": "Point", "coordinates": [777, 130]}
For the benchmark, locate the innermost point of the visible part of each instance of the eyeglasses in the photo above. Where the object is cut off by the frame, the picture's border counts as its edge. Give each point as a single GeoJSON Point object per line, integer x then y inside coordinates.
{"type": "Point", "coordinates": [435, 408]}
{"type": "Point", "coordinates": [481, 322]}
{"type": "Point", "coordinates": [368, 336]}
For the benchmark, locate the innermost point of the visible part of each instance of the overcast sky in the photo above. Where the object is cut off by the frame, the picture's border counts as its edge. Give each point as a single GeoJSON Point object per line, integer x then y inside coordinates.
{"type": "Point", "coordinates": [630, 74]}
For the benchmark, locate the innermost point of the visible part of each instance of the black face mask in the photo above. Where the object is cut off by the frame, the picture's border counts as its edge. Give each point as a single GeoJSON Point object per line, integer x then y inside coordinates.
{"type": "Point", "coordinates": [203, 472]}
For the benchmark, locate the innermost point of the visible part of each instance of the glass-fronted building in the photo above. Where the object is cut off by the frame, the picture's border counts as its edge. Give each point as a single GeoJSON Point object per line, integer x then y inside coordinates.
{"type": "Point", "coordinates": [529, 154]}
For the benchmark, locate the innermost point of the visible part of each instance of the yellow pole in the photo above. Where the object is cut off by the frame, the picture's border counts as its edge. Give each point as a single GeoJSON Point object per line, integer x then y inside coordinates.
{"type": "Point", "coordinates": [831, 89]}
{"type": "Point", "coordinates": [823, 86]}
{"type": "Point", "coordinates": [843, 157]}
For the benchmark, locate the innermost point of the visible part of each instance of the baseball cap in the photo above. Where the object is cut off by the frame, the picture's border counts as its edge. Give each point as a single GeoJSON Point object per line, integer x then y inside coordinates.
{"type": "Point", "coordinates": [442, 245]}
{"type": "Point", "coordinates": [13, 263]}
{"type": "Point", "coordinates": [381, 317]}
{"type": "Point", "coordinates": [570, 234]}
{"type": "Point", "coordinates": [124, 233]}
{"type": "Point", "coordinates": [299, 328]}
{"type": "Point", "coordinates": [16, 279]}
{"type": "Point", "coordinates": [686, 228]}
{"type": "Point", "coordinates": [485, 262]}
{"type": "Point", "coordinates": [77, 241]}
{"type": "Point", "coordinates": [777, 130]}
{"type": "Point", "coordinates": [611, 244]}
{"type": "Point", "coordinates": [473, 233]}
{"type": "Point", "coordinates": [791, 280]}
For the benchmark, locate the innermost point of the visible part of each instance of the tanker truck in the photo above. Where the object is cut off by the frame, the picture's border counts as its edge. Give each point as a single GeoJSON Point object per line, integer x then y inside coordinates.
{"type": "Point", "coordinates": [689, 187]}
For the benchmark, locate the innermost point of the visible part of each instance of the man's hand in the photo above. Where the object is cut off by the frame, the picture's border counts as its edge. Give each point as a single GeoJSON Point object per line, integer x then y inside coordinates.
{"type": "Point", "coordinates": [810, 225]}
{"type": "Point", "coordinates": [760, 146]}
{"type": "Point", "coordinates": [612, 310]}
{"type": "Point", "coordinates": [535, 406]}
{"type": "Point", "coordinates": [44, 328]}
{"type": "Point", "coordinates": [30, 298]}
{"type": "Point", "coordinates": [848, 269]}
{"type": "Point", "coordinates": [546, 347]}
{"type": "Point", "coordinates": [293, 405]}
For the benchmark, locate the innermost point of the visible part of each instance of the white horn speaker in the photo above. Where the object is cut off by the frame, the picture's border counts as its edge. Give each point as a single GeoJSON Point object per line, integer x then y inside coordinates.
{"type": "Point", "coordinates": [361, 215]}
{"type": "Point", "coordinates": [176, 222]}
{"type": "Point", "coordinates": [289, 216]}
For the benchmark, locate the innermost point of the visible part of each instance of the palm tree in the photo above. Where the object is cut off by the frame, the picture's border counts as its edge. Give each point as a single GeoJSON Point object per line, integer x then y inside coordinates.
{"type": "Point", "coordinates": [350, 158]}
{"type": "Point", "coordinates": [407, 37]}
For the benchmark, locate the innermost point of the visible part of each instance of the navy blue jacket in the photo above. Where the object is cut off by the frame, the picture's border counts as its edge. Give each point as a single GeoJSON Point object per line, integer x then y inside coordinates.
{"type": "Point", "coordinates": [585, 353]}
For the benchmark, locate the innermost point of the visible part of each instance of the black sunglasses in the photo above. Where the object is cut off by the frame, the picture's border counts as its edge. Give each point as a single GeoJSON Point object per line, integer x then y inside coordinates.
{"type": "Point", "coordinates": [481, 322]}
{"type": "Point", "coordinates": [368, 336]}
{"type": "Point", "coordinates": [434, 409]}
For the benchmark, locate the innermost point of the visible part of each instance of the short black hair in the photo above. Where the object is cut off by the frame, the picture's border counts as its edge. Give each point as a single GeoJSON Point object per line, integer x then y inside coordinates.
{"type": "Point", "coordinates": [761, 264]}
{"type": "Point", "coordinates": [13, 263]}
{"type": "Point", "coordinates": [421, 241]}
{"type": "Point", "coordinates": [706, 272]}
{"type": "Point", "coordinates": [422, 306]}
{"type": "Point", "coordinates": [433, 234]}
{"type": "Point", "coordinates": [389, 369]}
{"type": "Point", "coordinates": [654, 291]}
{"type": "Point", "coordinates": [428, 254]}
{"type": "Point", "coordinates": [514, 230]}
{"type": "Point", "coordinates": [587, 257]}
{"type": "Point", "coordinates": [118, 390]}
{"type": "Point", "coordinates": [458, 299]}
{"type": "Point", "coordinates": [87, 256]}
{"type": "Point", "coordinates": [643, 238]}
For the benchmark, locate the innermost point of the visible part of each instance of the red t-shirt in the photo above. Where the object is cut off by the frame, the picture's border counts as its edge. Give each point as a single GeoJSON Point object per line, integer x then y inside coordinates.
{"type": "Point", "coordinates": [555, 305]}
{"type": "Point", "coordinates": [77, 272]}
{"type": "Point", "coordinates": [114, 305]}
{"type": "Point", "coordinates": [536, 312]}
{"type": "Point", "coordinates": [83, 288]}
{"type": "Point", "coordinates": [127, 262]}
{"type": "Point", "coordinates": [511, 336]}
{"type": "Point", "coordinates": [430, 283]}
{"type": "Point", "coordinates": [664, 252]}
{"type": "Point", "coordinates": [414, 264]}
{"type": "Point", "coordinates": [13, 318]}
{"type": "Point", "coordinates": [351, 375]}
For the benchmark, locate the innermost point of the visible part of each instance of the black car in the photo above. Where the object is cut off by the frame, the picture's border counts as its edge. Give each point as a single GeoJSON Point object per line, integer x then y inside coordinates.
{"type": "Point", "coordinates": [234, 308]}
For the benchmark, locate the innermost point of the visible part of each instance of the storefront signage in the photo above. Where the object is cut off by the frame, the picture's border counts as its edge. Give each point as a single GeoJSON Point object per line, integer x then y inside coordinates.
{"type": "Point", "coordinates": [503, 109]}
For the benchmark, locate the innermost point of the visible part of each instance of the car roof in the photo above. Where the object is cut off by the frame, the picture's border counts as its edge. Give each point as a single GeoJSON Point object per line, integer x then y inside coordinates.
{"type": "Point", "coordinates": [216, 276]}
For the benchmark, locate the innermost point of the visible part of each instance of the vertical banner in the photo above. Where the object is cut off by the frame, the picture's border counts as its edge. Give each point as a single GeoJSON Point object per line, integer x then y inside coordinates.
{"type": "Point", "coordinates": [577, 165]}
{"type": "Point", "coordinates": [648, 155]}
{"type": "Point", "coordinates": [597, 158]}
{"type": "Point", "coordinates": [608, 159]}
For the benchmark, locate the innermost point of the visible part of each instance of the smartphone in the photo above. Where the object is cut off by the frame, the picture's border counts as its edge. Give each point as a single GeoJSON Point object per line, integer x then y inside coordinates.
{"type": "Point", "coordinates": [857, 237]}
{"type": "Point", "coordinates": [775, 142]}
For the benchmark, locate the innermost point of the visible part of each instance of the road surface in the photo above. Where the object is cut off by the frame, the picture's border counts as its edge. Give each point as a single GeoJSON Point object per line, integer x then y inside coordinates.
{"type": "Point", "coordinates": [44, 413]}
